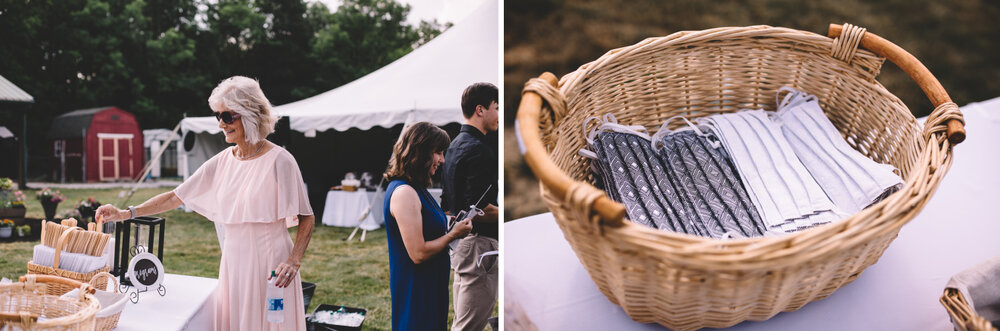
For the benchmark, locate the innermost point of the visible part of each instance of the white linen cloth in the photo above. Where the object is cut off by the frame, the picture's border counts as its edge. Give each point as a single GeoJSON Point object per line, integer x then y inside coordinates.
{"type": "Point", "coordinates": [980, 286]}
{"type": "Point", "coordinates": [343, 209]}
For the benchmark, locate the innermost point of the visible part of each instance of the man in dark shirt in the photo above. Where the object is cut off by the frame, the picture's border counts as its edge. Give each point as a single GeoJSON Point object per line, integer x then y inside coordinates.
{"type": "Point", "coordinates": [470, 167]}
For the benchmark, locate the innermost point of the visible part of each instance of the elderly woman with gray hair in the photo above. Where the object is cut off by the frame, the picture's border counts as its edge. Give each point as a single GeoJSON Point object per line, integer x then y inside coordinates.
{"type": "Point", "coordinates": [255, 191]}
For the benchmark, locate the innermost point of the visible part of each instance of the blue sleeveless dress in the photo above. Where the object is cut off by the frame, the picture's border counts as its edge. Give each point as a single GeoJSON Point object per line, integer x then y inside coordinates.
{"type": "Point", "coordinates": [419, 291]}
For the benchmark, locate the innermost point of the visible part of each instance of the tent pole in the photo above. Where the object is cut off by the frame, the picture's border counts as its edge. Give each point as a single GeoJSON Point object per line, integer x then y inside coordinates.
{"type": "Point", "coordinates": [22, 172]}
{"type": "Point", "coordinates": [148, 167]}
{"type": "Point", "coordinates": [83, 155]}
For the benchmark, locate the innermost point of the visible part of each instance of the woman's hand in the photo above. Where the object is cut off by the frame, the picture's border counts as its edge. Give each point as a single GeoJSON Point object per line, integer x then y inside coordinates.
{"type": "Point", "coordinates": [461, 229]}
{"type": "Point", "coordinates": [286, 272]}
{"type": "Point", "coordinates": [108, 213]}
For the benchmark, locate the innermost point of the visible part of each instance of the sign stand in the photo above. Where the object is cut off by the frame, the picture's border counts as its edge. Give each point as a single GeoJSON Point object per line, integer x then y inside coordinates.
{"type": "Point", "coordinates": [135, 265]}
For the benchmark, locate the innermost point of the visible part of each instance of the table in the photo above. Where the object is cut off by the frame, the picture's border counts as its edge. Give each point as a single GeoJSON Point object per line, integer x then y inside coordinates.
{"type": "Point", "coordinates": [954, 231]}
{"type": "Point", "coordinates": [343, 208]}
{"type": "Point", "coordinates": [188, 305]}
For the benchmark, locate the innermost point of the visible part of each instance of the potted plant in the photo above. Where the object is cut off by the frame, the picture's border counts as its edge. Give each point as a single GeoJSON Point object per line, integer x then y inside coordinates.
{"type": "Point", "coordinates": [11, 203]}
{"type": "Point", "coordinates": [24, 230]}
{"type": "Point", "coordinates": [87, 207]}
{"type": "Point", "coordinates": [6, 228]}
{"type": "Point", "coordinates": [50, 200]}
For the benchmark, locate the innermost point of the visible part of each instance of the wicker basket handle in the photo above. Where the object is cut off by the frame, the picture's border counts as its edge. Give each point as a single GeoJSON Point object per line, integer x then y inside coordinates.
{"type": "Point", "coordinates": [57, 280]}
{"type": "Point", "coordinates": [528, 114]}
{"type": "Point", "coordinates": [60, 244]}
{"type": "Point", "coordinates": [932, 88]}
{"type": "Point", "coordinates": [108, 275]}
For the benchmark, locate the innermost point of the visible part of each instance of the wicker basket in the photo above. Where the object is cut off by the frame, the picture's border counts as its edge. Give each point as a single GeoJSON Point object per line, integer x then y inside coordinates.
{"type": "Point", "coordinates": [27, 305]}
{"type": "Point", "coordinates": [688, 282]}
{"type": "Point", "coordinates": [106, 323]}
{"type": "Point", "coordinates": [962, 315]}
{"type": "Point", "coordinates": [58, 289]}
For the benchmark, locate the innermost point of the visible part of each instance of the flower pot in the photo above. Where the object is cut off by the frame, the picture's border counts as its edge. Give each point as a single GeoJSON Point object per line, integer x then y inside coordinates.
{"type": "Point", "coordinates": [14, 212]}
{"type": "Point", "coordinates": [50, 209]}
{"type": "Point", "coordinates": [86, 215]}
{"type": "Point", "coordinates": [5, 232]}
{"type": "Point", "coordinates": [36, 227]}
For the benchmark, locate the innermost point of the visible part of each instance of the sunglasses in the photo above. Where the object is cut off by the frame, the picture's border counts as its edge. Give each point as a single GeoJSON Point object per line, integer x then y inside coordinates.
{"type": "Point", "coordinates": [227, 117]}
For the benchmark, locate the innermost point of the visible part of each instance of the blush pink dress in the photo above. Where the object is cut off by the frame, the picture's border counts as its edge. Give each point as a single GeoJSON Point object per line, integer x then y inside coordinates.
{"type": "Point", "coordinates": [255, 201]}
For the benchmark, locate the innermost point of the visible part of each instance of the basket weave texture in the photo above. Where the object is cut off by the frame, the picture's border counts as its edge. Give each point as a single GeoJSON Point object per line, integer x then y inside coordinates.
{"type": "Point", "coordinates": [962, 315]}
{"type": "Point", "coordinates": [687, 282]}
{"type": "Point", "coordinates": [60, 289]}
{"type": "Point", "coordinates": [32, 297]}
{"type": "Point", "coordinates": [109, 322]}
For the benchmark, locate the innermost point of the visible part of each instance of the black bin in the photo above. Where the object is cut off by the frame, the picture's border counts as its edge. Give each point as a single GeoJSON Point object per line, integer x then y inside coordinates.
{"type": "Point", "coordinates": [317, 326]}
{"type": "Point", "coordinates": [307, 294]}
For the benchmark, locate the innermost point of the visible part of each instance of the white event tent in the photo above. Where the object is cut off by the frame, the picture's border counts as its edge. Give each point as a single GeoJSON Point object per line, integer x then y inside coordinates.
{"type": "Point", "coordinates": [424, 85]}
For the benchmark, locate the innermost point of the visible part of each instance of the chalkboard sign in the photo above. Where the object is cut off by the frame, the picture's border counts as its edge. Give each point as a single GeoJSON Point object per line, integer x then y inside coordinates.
{"type": "Point", "coordinates": [145, 271]}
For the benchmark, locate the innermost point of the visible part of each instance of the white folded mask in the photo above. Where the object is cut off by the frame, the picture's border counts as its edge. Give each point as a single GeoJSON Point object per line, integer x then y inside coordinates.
{"type": "Point", "coordinates": [784, 192]}
{"type": "Point", "coordinates": [850, 179]}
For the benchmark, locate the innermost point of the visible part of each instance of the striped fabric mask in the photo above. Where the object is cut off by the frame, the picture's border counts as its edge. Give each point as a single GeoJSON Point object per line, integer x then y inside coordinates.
{"type": "Point", "coordinates": [851, 180]}
{"type": "Point", "coordinates": [784, 192]}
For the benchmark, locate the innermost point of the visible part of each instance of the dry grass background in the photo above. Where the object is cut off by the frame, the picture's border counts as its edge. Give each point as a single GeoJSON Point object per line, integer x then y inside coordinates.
{"type": "Point", "coordinates": [958, 41]}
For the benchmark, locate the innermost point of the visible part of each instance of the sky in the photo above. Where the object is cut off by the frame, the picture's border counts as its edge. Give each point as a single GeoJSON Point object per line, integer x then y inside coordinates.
{"type": "Point", "coordinates": [443, 10]}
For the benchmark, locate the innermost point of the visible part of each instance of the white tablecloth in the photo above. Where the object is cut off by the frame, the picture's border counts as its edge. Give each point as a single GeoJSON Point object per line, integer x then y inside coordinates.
{"type": "Point", "coordinates": [956, 229]}
{"type": "Point", "coordinates": [187, 305]}
{"type": "Point", "coordinates": [344, 208]}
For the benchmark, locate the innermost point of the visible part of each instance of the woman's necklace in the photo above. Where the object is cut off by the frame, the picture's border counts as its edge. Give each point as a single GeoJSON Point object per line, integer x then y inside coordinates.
{"type": "Point", "coordinates": [244, 158]}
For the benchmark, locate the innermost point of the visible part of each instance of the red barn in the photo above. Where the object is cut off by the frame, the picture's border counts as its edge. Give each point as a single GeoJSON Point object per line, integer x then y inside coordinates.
{"type": "Point", "coordinates": [98, 144]}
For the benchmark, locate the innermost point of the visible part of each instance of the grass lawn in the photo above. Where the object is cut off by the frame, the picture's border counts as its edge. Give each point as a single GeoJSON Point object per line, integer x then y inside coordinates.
{"type": "Point", "coordinates": [354, 274]}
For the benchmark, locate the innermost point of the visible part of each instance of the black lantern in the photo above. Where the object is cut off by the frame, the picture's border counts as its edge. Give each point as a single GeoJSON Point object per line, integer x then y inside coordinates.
{"type": "Point", "coordinates": [133, 237]}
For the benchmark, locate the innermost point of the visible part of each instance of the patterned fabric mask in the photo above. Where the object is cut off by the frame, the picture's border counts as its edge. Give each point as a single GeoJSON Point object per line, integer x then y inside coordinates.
{"type": "Point", "coordinates": [676, 180]}
{"type": "Point", "coordinates": [620, 169]}
{"type": "Point", "coordinates": [851, 180]}
{"type": "Point", "coordinates": [710, 185]}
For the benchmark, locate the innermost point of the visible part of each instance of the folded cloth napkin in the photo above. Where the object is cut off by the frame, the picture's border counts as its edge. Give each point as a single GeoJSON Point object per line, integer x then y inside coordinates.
{"type": "Point", "coordinates": [111, 302]}
{"type": "Point", "coordinates": [980, 286]}
{"type": "Point", "coordinates": [75, 262]}
{"type": "Point", "coordinates": [851, 180]}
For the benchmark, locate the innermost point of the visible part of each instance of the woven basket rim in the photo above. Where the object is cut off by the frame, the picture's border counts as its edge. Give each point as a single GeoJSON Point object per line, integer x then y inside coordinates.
{"type": "Point", "coordinates": [86, 313]}
{"type": "Point", "coordinates": [961, 313]}
{"type": "Point", "coordinates": [748, 253]}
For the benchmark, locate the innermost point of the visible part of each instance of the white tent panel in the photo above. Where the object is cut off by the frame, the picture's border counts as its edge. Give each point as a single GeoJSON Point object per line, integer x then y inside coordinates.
{"type": "Point", "coordinates": [208, 125]}
{"type": "Point", "coordinates": [424, 85]}
{"type": "Point", "coordinates": [428, 81]}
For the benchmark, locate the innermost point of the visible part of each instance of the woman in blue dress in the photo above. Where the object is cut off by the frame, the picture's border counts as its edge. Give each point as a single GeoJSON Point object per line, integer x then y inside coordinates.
{"type": "Point", "coordinates": [417, 231]}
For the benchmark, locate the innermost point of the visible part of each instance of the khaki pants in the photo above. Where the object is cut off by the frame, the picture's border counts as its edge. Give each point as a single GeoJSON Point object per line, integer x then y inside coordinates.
{"type": "Point", "coordinates": [475, 287]}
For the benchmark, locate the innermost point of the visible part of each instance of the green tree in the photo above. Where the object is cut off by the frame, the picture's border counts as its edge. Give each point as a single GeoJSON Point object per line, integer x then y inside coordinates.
{"type": "Point", "coordinates": [160, 59]}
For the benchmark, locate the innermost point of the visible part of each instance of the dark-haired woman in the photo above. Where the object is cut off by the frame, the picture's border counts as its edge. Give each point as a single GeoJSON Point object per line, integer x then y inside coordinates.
{"type": "Point", "coordinates": [417, 230]}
